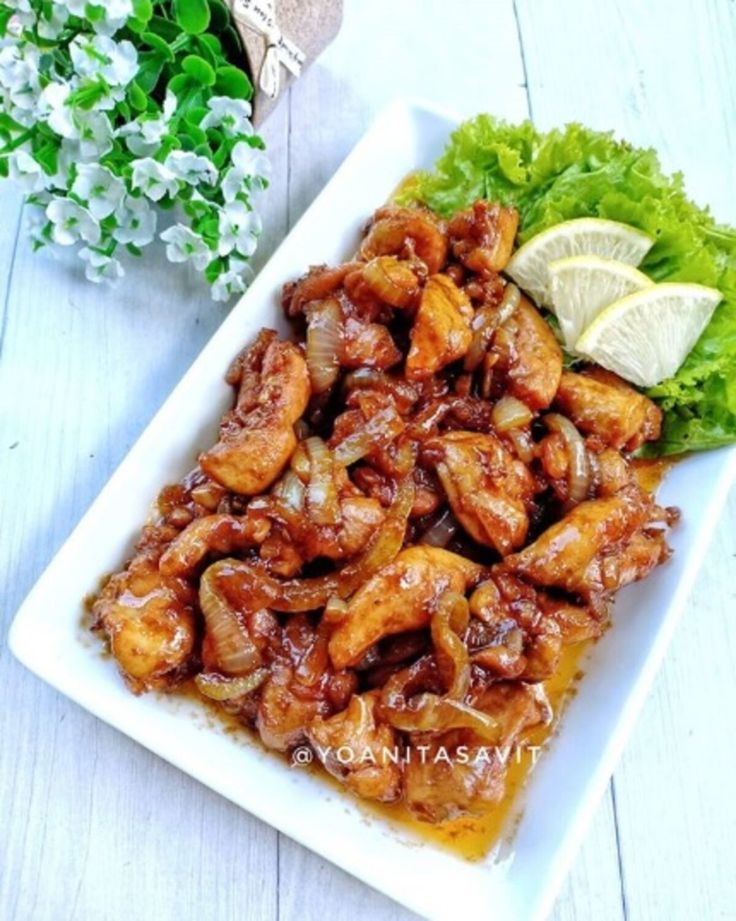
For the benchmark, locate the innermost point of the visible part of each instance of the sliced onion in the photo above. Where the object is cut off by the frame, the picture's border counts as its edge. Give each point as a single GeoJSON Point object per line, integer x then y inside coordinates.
{"type": "Point", "coordinates": [379, 430]}
{"type": "Point", "coordinates": [322, 499]}
{"type": "Point", "coordinates": [234, 651]}
{"type": "Point", "coordinates": [523, 444]}
{"type": "Point", "coordinates": [290, 490]}
{"type": "Point", "coordinates": [579, 469]}
{"type": "Point", "coordinates": [510, 413]}
{"type": "Point", "coordinates": [427, 711]}
{"type": "Point", "coordinates": [448, 621]}
{"type": "Point", "coordinates": [391, 280]}
{"type": "Point", "coordinates": [323, 344]}
{"type": "Point", "coordinates": [247, 580]}
{"type": "Point", "coordinates": [485, 322]}
{"type": "Point", "coordinates": [441, 531]}
{"type": "Point", "coordinates": [219, 687]}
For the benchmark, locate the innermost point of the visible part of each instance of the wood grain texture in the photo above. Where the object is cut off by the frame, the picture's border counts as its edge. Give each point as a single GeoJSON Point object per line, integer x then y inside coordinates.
{"type": "Point", "coordinates": [95, 827]}
{"type": "Point", "coordinates": [663, 75]}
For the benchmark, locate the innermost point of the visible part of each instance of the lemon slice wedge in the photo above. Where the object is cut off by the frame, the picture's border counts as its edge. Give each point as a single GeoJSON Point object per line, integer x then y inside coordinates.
{"type": "Point", "coordinates": [581, 286]}
{"type": "Point", "coordinates": [646, 336]}
{"type": "Point", "coordinates": [591, 236]}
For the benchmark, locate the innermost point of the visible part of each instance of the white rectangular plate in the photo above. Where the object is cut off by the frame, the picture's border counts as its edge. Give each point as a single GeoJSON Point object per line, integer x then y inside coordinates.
{"type": "Point", "coordinates": [570, 777]}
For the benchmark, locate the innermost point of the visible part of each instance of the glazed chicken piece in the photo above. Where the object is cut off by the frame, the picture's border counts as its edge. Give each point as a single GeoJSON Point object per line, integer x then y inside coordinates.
{"type": "Point", "coordinates": [301, 686]}
{"type": "Point", "coordinates": [587, 553]}
{"type": "Point", "coordinates": [489, 490]}
{"type": "Point", "coordinates": [518, 632]}
{"type": "Point", "coordinates": [528, 357]}
{"type": "Point", "coordinates": [408, 233]}
{"type": "Point", "coordinates": [149, 621]}
{"type": "Point", "coordinates": [257, 437]}
{"type": "Point", "coordinates": [441, 333]}
{"type": "Point", "coordinates": [357, 749]}
{"type": "Point", "coordinates": [438, 787]}
{"type": "Point", "coordinates": [399, 598]}
{"type": "Point", "coordinates": [320, 282]}
{"type": "Point", "coordinates": [482, 237]}
{"type": "Point", "coordinates": [601, 404]}
{"type": "Point", "coordinates": [221, 534]}
{"type": "Point", "coordinates": [367, 345]}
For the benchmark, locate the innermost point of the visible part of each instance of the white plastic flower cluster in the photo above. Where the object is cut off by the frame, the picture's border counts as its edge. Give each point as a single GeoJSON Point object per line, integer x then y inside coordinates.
{"type": "Point", "coordinates": [93, 169]}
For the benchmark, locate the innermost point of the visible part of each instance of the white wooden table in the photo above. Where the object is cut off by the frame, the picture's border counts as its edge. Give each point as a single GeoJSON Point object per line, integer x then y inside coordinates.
{"type": "Point", "coordinates": [94, 827]}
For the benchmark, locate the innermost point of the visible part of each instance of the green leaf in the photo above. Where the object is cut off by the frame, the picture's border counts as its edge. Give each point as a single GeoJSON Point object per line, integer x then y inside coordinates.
{"type": "Point", "coordinates": [133, 249]}
{"type": "Point", "coordinates": [48, 158]}
{"type": "Point", "coordinates": [5, 14]}
{"type": "Point", "coordinates": [158, 44]}
{"type": "Point", "coordinates": [231, 81]}
{"type": "Point", "coordinates": [94, 12]}
{"type": "Point", "coordinates": [142, 10]}
{"type": "Point", "coordinates": [214, 269]}
{"type": "Point", "coordinates": [192, 15]}
{"type": "Point", "coordinates": [198, 69]}
{"type": "Point", "coordinates": [4, 168]}
{"type": "Point", "coordinates": [180, 84]}
{"type": "Point", "coordinates": [150, 65]}
{"type": "Point", "coordinates": [137, 98]}
{"type": "Point", "coordinates": [210, 48]}
{"type": "Point", "coordinates": [220, 16]}
{"type": "Point", "coordinates": [195, 115]}
{"type": "Point", "coordinates": [167, 29]}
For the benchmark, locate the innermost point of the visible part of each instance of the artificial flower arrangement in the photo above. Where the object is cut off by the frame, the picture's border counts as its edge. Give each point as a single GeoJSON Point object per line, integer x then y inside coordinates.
{"type": "Point", "coordinates": [112, 111]}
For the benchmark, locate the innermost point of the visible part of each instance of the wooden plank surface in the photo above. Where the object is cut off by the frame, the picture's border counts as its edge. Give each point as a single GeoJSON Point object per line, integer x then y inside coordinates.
{"type": "Point", "coordinates": [94, 827]}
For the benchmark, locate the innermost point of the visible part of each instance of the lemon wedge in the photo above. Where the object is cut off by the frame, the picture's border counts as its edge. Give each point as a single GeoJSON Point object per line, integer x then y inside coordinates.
{"type": "Point", "coordinates": [646, 336]}
{"type": "Point", "coordinates": [591, 236]}
{"type": "Point", "coordinates": [581, 286]}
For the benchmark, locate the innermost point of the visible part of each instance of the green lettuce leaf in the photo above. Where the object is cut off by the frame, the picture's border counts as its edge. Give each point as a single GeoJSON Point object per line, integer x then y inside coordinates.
{"type": "Point", "coordinates": [576, 172]}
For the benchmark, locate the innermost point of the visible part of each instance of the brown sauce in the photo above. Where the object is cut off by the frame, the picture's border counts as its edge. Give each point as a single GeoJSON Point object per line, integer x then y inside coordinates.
{"type": "Point", "coordinates": [469, 837]}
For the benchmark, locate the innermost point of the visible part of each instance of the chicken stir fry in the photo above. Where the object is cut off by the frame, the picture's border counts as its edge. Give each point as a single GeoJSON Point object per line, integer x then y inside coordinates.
{"type": "Point", "coordinates": [410, 512]}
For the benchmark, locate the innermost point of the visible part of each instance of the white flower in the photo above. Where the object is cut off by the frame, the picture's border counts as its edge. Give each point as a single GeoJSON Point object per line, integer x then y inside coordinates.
{"type": "Point", "coordinates": [239, 228]}
{"type": "Point", "coordinates": [95, 134]}
{"type": "Point", "coordinates": [19, 75]}
{"type": "Point", "coordinates": [53, 105]}
{"type": "Point", "coordinates": [233, 184]}
{"type": "Point", "coordinates": [136, 222]}
{"type": "Point", "coordinates": [100, 267]}
{"type": "Point", "coordinates": [69, 155]}
{"type": "Point", "coordinates": [102, 190]}
{"type": "Point", "coordinates": [233, 281]}
{"type": "Point", "coordinates": [249, 165]}
{"type": "Point", "coordinates": [229, 114]}
{"type": "Point", "coordinates": [36, 221]}
{"type": "Point", "coordinates": [71, 222]}
{"type": "Point", "coordinates": [143, 136]}
{"type": "Point", "coordinates": [154, 179]}
{"type": "Point", "coordinates": [52, 27]}
{"type": "Point", "coordinates": [116, 13]}
{"type": "Point", "coordinates": [184, 244]}
{"type": "Point", "coordinates": [191, 168]}
{"type": "Point", "coordinates": [116, 62]}
{"type": "Point", "coordinates": [23, 17]}
{"type": "Point", "coordinates": [250, 161]}
{"type": "Point", "coordinates": [24, 168]}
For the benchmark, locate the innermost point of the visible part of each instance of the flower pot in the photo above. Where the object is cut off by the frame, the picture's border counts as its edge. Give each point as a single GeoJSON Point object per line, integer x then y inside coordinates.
{"type": "Point", "coordinates": [281, 38]}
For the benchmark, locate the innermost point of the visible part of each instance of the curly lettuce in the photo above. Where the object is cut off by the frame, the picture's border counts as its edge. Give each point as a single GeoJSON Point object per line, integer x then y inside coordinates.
{"type": "Point", "coordinates": [576, 172]}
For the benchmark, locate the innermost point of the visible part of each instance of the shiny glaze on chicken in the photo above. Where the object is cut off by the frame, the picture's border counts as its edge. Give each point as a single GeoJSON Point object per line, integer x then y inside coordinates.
{"type": "Point", "coordinates": [411, 513]}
